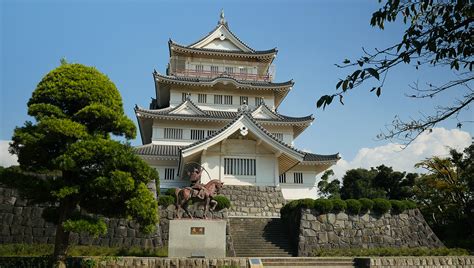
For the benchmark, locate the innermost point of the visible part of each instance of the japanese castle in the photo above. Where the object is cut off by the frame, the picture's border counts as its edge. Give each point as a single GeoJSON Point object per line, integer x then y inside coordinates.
{"type": "Point", "coordinates": [216, 105]}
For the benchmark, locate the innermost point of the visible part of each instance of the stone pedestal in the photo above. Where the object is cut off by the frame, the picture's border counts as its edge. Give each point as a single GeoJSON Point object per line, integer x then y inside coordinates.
{"type": "Point", "coordinates": [197, 238]}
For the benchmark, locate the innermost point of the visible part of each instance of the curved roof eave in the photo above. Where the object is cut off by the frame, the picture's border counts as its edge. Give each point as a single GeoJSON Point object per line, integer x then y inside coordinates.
{"type": "Point", "coordinates": [254, 54]}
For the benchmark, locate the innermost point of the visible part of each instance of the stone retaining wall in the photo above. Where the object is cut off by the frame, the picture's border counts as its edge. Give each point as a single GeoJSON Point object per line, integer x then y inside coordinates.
{"type": "Point", "coordinates": [417, 262]}
{"type": "Point", "coordinates": [407, 229]}
{"type": "Point", "coordinates": [22, 223]}
{"type": "Point", "coordinates": [259, 201]}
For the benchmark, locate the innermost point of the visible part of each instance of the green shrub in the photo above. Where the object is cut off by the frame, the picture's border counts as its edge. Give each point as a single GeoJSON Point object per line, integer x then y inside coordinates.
{"type": "Point", "coordinates": [222, 202]}
{"type": "Point", "coordinates": [398, 206]}
{"type": "Point", "coordinates": [353, 206]}
{"type": "Point", "coordinates": [338, 205]}
{"type": "Point", "coordinates": [170, 192]}
{"type": "Point", "coordinates": [409, 204]}
{"type": "Point", "coordinates": [323, 206]}
{"type": "Point", "coordinates": [166, 200]}
{"type": "Point", "coordinates": [367, 205]}
{"type": "Point", "coordinates": [361, 252]}
{"type": "Point", "coordinates": [305, 203]}
{"type": "Point", "coordinates": [381, 206]}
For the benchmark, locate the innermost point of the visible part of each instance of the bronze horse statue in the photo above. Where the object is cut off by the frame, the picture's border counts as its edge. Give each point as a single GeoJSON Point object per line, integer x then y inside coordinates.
{"type": "Point", "coordinates": [205, 193]}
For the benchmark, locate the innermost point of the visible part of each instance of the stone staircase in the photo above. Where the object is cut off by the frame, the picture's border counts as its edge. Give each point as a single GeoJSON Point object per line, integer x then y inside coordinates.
{"type": "Point", "coordinates": [330, 262]}
{"type": "Point", "coordinates": [260, 237]}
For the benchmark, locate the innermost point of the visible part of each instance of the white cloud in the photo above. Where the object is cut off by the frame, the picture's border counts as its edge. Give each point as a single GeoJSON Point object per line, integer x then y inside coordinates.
{"type": "Point", "coordinates": [436, 143]}
{"type": "Point", "coordinates": [6, 159]}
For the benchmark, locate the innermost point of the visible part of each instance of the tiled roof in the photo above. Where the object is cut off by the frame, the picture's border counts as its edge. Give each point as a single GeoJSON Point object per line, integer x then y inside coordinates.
{"type": "Point", "coordinates": [268, 52]}
{"type": "Point", "coordinates": [220, 115]}
{"type": "Point", "coordinates": [320, 157]}
{"type": "Point", "coordinates": [257, 84]}
{"type": "Point", "coordinates": [158, 150]}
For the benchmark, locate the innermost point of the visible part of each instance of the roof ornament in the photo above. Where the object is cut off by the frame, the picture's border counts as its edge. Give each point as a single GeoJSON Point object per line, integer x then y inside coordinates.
{"type": "Point", "coordinates": [244, 108]}
{"type": "Point", "coordinates": [222, 20]}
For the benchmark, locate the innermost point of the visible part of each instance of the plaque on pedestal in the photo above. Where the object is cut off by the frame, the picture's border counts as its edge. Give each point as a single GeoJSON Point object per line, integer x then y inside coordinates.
{"type": "Point", "coordinates": [197, 238]}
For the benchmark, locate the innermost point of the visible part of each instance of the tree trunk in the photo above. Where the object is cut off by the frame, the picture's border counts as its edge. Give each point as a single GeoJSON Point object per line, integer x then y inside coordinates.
{"type": "Point", "coordinates": [61, 242]}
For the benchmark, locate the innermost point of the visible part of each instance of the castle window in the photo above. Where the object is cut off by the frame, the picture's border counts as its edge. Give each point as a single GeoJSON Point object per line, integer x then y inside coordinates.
{"type": "Point", "coordinates": [239, 166]}
{"type": "Point", "coordinates": [298, 177]}
{"type": "Point", "coordinates": [202, 98]}
{"type": "Point", "coordinates": [279, 136]}
{"type": "Point", "coordinates": [244, 100]}
{"type": "Point", "coordinates": [243, 70]}
{"type": "Point", "coordinates": [185, 96]}
{"type": "Point", "coordinates": [169, 174]}
{"type": "Point", "coordinates": [229, 70]}
{"type": "Point", "coordinates": [214, 69]}
{"type": "Point", "coordinates": [258, 101]}
{"type": "Point", "coordinates": [228, 99]}
{"type": "Point", "coordinates": [197, 134]}
{"type": "Point", "coordinates": [282, 178]}
{"type": "Point", "coordinates": [211, 132]}
{"type": "Point", "coordinates": [199, 68]}
{"type": "Point", "coordinates": [173, 133]}
{"type": "Point", "coordinates": [217, 99]}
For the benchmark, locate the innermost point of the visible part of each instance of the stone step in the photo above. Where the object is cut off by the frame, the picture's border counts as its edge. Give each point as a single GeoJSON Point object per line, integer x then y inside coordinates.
{"type": "Point", "coordinates": [308, 262]}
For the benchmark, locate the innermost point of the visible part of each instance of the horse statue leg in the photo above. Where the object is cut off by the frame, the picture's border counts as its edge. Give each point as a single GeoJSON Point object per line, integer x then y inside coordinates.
{"type": "Point", "coordinates": [213, 204]}
{"type": "Point", "coordinates": [185, 207]}
{"type": "Point", "coordinates": [178, 203]}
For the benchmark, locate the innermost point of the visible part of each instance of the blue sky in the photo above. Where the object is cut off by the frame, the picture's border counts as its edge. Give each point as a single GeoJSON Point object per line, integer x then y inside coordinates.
{"type": "Point", "coordinates": [128, 39]}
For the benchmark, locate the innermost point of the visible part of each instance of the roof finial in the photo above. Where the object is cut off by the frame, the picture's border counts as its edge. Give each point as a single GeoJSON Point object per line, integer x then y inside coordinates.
{"type": "Point", "coordinates": [222, 18]}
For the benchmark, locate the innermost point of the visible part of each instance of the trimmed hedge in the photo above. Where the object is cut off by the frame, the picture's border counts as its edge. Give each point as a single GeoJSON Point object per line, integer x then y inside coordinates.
{"type": "Point", "coordinates": [362, 252]}
{"type": "Point", "coordinates": [170, 192]}
{"type": "Point", "coordinates": [353, 206]}
{"type": "Point", "coordinates": [381, 206]}
{"type": "Point", "coordinates": [323, 206]}
{"type": "Point", "coordinates": [338, 205]}
{"type": "Point", "coordinates": [367, 205]}
{"type": "Point", "coordinates": [166, 200]}
{"type": "Point", "coordinates": [222, 202]}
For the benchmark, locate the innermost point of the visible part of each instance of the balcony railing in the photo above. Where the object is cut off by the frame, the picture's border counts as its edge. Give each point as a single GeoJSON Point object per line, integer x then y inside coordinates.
{"type": "Point", "coordinates": [211, 68]}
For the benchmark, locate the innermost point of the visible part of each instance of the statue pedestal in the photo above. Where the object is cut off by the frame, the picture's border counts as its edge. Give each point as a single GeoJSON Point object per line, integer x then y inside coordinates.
{"type": "Point", "coordinates": [197, 238]}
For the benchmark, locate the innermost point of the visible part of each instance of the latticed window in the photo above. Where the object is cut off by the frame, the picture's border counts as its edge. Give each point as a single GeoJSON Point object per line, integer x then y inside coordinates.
{"type": "Point", "coordinates": [173, 133]}
{"type": "Point", "coordinates": [199, 68]}
{"type": "Point", "coordinates": [298, 177]}
{"type": "Point", "coordinates": [258, 101]}
{"type": "Point", "coordinates": [214, 69]}
{"type": "Point", "coordinates": [217, 99]}
{"type": "Point", "coordinates": [211, 132]}
{"type": "Point", "coordinates": [282, 178]}
{"type": "Point", "coordinates": [202, 98]}
{"type": "Point", "coordinates": [228, 99]}
{"type": "Point", "coordinates": [185, 96]}
{"type": "Point", "coordinates": [197, 134]}
{"type": "Point", "coordinates": [239, 166]}
{"type": "Point", "coordinates": [229, 70]}
{"type": "Point", "coordinates": [279, 136]}
{"type": "Point", "coordinates": [169, 174]}
{"type": "Point", "coordinates": [244, 100]}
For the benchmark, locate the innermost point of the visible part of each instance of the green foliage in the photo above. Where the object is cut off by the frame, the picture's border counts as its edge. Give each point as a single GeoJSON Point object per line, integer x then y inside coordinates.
{"type": "Point", "coordinates": [222, 202]}
{"type": "Point", "coordinates": [367, 205]}
{"type": "Point", "coordinates": [353, 206]}
{"type": "Point", "coordinates": [166, 200]}
{"type": "Point", "coordinates": [35, 250]}
{"type": "Point", "coordinates": [67, 157]}
{"type": "Point", "coordinates": [398, 206]}
{"type": "Point", "coordinates": [445, 196]}
{"type": "Point", "coordinates": [171, 192]}
{"type": "Point", "coordinates": [322, 206]}
{"type": "Point", "coordinates": [381, 206]}
{"type": "Point", "coordinates": [338, 205]}
{"type": "Point", "coordinates": [363, 252]}
{"type": "Point", "coordinates": [329, 189]}
{"type": "Point", "coordinates": [409, 204]}
{"type": "Point", "coordinates": [93, 226]}
{"type": "Point", "coordinates": [437, 34]}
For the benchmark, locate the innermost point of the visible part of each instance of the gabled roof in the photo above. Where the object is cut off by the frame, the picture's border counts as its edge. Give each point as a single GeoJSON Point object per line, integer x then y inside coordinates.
{"type": "Point", "coordinates": [209, 82]}
{"type": "Point", "coordinates": [221, 40]}
{"type": "Point", "coordinates": [156, 150]}
{"type": "Point", "coordinates": [187, 109]}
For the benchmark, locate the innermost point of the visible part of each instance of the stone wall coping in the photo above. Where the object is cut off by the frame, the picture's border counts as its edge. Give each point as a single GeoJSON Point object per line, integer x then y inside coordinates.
{"type": "Point", "coordinates": [254, 217]}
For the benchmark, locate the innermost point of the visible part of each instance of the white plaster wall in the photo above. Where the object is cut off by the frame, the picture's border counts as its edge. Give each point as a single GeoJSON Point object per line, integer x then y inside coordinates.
{"type": "Point", "coordinates": [291, 192]}
{"type": "Point", "coordinates": [159, 126]}
{"type": "Point", "coordinates": [221, 44]}
{"type": "Point", "coordinates": [308, 189]}
{"type": "Point", "coordinates": [176, 97]}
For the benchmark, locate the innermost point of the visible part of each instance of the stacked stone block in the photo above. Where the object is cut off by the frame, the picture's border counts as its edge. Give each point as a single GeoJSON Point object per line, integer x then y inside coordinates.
{"type": "Point", "coordinates": [258, 201]}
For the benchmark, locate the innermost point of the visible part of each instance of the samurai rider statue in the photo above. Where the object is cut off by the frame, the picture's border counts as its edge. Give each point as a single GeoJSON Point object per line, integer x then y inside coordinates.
{"type": "Point", "coordinates": [194, 172]}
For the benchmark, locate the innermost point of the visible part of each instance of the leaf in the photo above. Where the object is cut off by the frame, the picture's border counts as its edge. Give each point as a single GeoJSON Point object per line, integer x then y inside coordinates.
{"type": "Point", "coordinates": [379, 91]}
{"type": "Point", "coordinates": [340, 99]}
{"type": "Point", "coordinates": [373, 72]}
{"type": "Point", "coordinates": [339, 83]}
{"type": "Point", "coordinates": [346, 61]}
{"type": "Point", "coordinates": [361, 63]}
{"type": "Point", "coordinates": [321, 101]}
{"type": "Point", "coordinates": [344, 85]}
